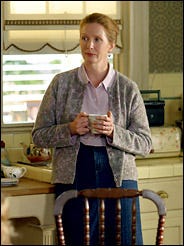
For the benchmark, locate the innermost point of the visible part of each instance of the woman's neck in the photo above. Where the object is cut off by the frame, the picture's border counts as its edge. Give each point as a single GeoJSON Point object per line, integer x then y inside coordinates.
{"type": "Point", "coordinates": [96, 73]}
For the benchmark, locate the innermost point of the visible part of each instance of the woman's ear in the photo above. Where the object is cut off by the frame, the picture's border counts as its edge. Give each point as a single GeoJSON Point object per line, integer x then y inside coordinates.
{"type": "Point", "coordinates": [111, 47]}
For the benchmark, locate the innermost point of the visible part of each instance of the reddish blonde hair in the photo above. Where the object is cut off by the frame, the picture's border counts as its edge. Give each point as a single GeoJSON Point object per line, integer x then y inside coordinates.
{"type": "Point", "coordinates": [110, 26]}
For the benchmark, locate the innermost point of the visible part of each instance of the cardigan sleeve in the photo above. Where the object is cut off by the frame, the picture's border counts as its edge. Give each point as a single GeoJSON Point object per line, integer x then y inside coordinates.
{"type": "Point", "coordinates": [131, 127]}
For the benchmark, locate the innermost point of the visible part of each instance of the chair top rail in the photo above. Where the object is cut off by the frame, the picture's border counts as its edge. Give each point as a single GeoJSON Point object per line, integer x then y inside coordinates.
{"type": "Point", "coordinates": [103, 193]}
{"type": "Point", "coordinates": [109, 193]}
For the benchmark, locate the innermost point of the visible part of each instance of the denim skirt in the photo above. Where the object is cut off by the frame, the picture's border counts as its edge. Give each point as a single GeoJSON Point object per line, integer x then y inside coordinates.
{"type": "Point", "coordinates": [93, 171]}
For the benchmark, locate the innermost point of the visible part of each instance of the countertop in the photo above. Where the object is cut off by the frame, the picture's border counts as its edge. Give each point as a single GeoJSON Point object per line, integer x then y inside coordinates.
{"type": "Point", "coordinates": [147, 168]}
{"type": "Point", "coordinates": [28, 186]}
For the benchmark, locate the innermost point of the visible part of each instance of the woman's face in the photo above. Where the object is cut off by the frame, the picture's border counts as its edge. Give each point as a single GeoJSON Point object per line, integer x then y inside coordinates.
{"type": "Point", "coordinates": [94, 43]}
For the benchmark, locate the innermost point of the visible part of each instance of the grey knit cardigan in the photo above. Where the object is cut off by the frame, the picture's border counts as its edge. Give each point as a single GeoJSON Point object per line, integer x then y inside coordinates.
{"type": "Point", "coordinates": [61, 103]}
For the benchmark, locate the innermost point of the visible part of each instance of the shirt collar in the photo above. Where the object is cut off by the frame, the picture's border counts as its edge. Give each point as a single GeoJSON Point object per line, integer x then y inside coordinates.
{"type": "Point", "coordinates": [106, 82]}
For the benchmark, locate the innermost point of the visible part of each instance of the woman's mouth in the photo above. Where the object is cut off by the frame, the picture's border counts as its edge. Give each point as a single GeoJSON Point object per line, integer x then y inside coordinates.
{"type": "Point", "coordinates": [90, 54]}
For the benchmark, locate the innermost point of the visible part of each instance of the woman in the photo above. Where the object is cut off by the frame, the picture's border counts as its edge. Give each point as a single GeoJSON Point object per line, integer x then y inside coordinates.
{"type": "Point", "coordinates": [81, 159]}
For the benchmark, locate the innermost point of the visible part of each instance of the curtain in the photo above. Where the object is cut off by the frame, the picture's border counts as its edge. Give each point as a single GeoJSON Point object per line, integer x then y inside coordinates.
{"type": "Point", "coordinates": [50, 26]}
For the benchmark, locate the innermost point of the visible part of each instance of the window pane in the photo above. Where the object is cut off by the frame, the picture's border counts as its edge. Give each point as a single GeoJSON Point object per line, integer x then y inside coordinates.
{"type": "Point", "coordinates": [66, 7]}
{"type": "Point", "coordinates": [109, 8]}
{"type": "Point", "coordinates": [27, 7]}
{"type": "Point", "coordinates": [25, 79]}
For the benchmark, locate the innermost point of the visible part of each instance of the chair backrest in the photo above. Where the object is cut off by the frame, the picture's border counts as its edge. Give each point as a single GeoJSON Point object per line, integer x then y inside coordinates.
{"type": "Point", "coordinates": [102, 194]}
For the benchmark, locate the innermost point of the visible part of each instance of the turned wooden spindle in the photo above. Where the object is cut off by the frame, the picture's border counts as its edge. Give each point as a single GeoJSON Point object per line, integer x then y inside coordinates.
{"type": "Point", "coordinates": [102, 222]}
{"type": "Point", "coordinates": [118, 222]}
{"type": "Point", "coordinates": [86, 223]}
{"type": "Point", "coordinates": [160, 230]}
{"type": "Point", "coordinates": [61, 237]}
{"type": "Point", "coordinates": [133, 221]}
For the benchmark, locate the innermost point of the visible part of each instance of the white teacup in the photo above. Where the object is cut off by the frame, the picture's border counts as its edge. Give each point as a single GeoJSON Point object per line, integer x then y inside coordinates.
{"type": "Point", "coordinates": [13, 171]}
{"type": "Point", "coordinates": [92, 118]}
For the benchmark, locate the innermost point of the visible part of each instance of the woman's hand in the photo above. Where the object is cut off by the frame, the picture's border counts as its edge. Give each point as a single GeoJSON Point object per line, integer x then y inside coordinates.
{"type": "Point", "coordinates": [79, 125]}
{"type": "Point", "coordinates": [104, 125]}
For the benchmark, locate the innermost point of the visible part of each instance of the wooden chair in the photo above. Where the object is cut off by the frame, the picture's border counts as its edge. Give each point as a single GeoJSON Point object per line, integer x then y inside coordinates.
{"type": "Point", "coordinates": [102, 194]}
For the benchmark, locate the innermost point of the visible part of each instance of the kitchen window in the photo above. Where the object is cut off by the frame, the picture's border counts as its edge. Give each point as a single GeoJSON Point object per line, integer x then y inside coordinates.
{"type": "Point", "coordinates": [25, 79]}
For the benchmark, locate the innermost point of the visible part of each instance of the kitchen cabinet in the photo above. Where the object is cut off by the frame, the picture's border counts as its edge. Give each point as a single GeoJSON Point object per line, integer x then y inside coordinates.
{"type": "Point", "coordinates": [162, 171]}
{"type": "Point", "coordinates": [31, 206]}
{"type": "Point", "coordinates": [171, 190]}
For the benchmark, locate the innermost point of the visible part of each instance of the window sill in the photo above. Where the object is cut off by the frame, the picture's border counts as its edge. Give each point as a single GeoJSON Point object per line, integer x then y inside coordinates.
{"type": "Point", "coordinates": [20, 127]}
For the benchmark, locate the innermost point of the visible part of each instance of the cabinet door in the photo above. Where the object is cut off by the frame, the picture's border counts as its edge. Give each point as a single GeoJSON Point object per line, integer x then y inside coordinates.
{"type": "Point", "coordinates": [173, 228]}
{"type": "Point", "coordinates": [172, 191]}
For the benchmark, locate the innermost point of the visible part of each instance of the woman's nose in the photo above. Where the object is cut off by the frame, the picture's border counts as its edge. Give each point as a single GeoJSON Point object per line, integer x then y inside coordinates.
{"type": "Point", "coordinates": [90, 44]}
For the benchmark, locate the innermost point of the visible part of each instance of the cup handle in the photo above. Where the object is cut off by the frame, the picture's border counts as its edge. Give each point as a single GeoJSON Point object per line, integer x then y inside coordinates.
{"type": "Point", "coordinates": [23, 171]}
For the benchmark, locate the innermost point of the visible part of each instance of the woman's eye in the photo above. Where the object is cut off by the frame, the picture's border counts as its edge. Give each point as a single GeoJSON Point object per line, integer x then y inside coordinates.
{"type": "Point", "coordinates": [97, 39]}
{"type": "Point", "coordinates": [84, 38]}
